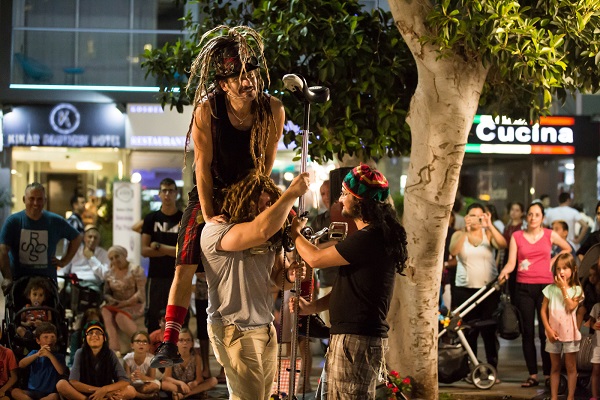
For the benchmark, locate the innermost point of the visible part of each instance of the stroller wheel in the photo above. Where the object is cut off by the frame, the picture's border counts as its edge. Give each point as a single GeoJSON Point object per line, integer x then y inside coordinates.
{"type": "Point", "coordinates": [484, 376]}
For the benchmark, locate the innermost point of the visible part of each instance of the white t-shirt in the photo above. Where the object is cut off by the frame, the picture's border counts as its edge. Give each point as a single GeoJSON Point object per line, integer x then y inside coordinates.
{"type": "Point", "coordinates": [476, 266]}
{"type": "Point", "coordinates": [595, 313]}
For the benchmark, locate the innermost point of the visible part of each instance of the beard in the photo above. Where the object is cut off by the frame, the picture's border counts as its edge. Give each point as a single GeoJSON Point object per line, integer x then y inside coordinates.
{"type": "Point", "coordinates": [351, 212]}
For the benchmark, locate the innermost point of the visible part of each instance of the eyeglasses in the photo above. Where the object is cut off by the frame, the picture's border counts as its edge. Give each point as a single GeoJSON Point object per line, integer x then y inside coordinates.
{"type": "Point", "coordinates": [168, 191]}
{"type": "Point", "coordinates": [95, 332]}
{"type": "Point", "coordinates": [141, 341]}
{"type": "Point", "coordinates": [185, 340]}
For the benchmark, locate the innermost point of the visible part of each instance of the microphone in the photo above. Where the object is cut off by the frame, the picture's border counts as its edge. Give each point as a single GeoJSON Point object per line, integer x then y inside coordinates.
{"type": "Point", "coordinates": [297, 85]}
{"type": "Point", "coordinates": [294, 84]}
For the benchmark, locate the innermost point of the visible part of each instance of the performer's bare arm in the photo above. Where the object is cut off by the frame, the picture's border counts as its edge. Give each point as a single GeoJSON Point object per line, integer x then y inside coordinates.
{"type": "Point", "coordinates": [250, 234]}
{"type": "Point", "coordinates": [275, 132]}
{"type": "Point", "coordinates": [203, 154]}
{"type": "Point", "coordinates": [311, 254]}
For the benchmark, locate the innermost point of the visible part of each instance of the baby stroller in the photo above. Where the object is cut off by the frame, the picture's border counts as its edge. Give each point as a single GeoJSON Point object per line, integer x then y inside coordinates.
{"type": "Point", "coordinates": [77, 298]}
{"type": "Point", "coordinates": [15, 307]}
{"type": "Point", "coordinates": [456, 359]}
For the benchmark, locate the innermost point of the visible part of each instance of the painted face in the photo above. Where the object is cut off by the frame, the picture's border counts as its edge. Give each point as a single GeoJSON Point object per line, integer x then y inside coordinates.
{"type": "Point", "coordinates": [563, 270]}
{"type": "Point", "coordinates": [91, 239]}
{"type": "Point", "coordinates": [168, 194]}
{"type": "Point", "coordinates": [37, 296]}
{"type": "Point", "coordinates": [185, 343]}
{"type": "Point", "coordinates": [243, 86]}
{"type": "Point", "coordinates": [35, 200]}
{"type": "Point", "coordinates": [140, 344]}
{"type": "Point", "coordinates": [46, 339]}
{"type": "Point", "coordinates": [515, 212]}
{"type": "Point", "coordinates": [534, 217]}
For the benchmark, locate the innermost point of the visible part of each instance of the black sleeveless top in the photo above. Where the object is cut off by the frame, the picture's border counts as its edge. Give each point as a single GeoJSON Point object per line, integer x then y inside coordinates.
{"type": "Point", "coordinates": [231, 147]}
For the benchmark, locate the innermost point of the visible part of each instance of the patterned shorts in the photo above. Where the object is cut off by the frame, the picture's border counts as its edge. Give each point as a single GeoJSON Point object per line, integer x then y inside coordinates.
{"type": "Point", "coordinates": [354, 366]}
{"type": "Point", "coordinates": [188, 238]}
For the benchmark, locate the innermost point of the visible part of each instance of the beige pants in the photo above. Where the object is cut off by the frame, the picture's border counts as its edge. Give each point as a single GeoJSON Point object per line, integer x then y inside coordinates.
{"type": "Point", "coordinates": [248, 357]}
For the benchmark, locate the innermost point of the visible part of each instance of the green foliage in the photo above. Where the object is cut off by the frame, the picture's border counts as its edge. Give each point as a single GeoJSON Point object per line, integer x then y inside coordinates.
{"type": "Point", "coordinates": [359, 55]}
{"type": "Point", "coordinates": [536, 49]}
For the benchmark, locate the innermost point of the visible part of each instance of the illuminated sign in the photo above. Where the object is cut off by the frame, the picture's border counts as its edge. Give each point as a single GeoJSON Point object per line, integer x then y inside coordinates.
{"type": "Point", "coordinates": [551, 136]}
{"type": "Point", "coordinates": [65, 125]}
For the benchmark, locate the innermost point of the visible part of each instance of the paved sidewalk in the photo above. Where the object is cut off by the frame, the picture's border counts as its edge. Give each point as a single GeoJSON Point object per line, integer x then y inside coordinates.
{"type": "Point", "coordinates": [511, 371]}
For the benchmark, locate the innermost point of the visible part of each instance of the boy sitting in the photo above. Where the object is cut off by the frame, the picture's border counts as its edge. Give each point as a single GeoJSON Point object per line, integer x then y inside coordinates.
{"type": "Point", "coordinates": [8, 370]}
{"type": "Point", "coordinates": [45, 367]}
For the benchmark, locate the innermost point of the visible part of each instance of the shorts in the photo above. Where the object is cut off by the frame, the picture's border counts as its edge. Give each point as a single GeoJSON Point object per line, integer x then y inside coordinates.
{"type": "Point", "coordinates": [35, 395]}
{"type": "Point", "coordinates": [596, 355]}
{"type": "Point", "coordinates": [188, 238]}
{"type": "Point", "coordinates": [562, 347]}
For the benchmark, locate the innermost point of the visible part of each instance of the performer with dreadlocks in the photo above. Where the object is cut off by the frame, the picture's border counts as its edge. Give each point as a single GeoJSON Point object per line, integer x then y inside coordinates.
{"type": "Point", "coordinates": [242, 259]}
{"type": "Point", "coordinates": [235, 128]}
{"type": "Point", "coordinates": [360, 299]}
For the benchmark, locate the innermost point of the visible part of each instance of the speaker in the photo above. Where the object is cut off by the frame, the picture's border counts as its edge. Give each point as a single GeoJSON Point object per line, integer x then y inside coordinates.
{"type": "Point", "coordinates": [336, 177]}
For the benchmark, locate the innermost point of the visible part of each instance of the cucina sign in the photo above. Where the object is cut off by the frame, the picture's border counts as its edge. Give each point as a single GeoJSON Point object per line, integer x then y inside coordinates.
{"type": "Point", "coordinates": [504, 130]}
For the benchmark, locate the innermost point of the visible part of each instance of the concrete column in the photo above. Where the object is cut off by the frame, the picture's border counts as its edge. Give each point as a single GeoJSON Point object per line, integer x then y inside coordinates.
{"type": "Point", "coordinates": [586, 183]}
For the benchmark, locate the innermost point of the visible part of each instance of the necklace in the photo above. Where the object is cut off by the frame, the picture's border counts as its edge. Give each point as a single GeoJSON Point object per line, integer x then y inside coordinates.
{"type": "Point", "coordinates": [240, 120]}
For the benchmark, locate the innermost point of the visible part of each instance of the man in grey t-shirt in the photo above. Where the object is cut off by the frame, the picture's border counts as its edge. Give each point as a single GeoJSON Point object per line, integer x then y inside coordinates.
{"type": "Point", "coordinates": [242, 259]}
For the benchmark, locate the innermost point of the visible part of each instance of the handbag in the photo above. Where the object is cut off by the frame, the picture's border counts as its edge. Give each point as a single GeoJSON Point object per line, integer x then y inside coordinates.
{"type": "Point", "coordinates": [509, 326]}
{"type": "Point", "coordinates": [585, 353]}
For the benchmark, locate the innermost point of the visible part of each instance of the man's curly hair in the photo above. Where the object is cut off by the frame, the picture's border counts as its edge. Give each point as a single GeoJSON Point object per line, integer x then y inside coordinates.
{"type": "Point", "coordinates": [241, 199]}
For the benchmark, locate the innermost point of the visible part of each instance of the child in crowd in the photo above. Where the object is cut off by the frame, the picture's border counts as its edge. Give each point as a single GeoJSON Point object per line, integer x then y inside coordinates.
{"type": "Point", "coordinates": [185, 380]}
{"type": "Point", "coordinates": [8, 370]}
{"type": "Point", "coordinates": [591, 286]}
{"type": "Point", "coordinates": [137, 367]}
{"type": "Point", "coordinates": [36, 292]}
{"type": "Point", "coordinates": [559, 307]}
{"type": "Point", "coordinates": [76, 339]}
{"type": "Point", "coordinates": [45, 367]}
{"type": "Point", "coordinates": [594, 324]}
{"type": "Point", "coordinates": [97, 372]}
{"type": "Point", "coordinates": [156, 337]}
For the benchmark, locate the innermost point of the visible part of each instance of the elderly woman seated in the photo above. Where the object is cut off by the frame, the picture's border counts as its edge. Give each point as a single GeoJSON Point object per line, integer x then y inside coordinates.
{"type": "Point", "coordinates": [124, 294]}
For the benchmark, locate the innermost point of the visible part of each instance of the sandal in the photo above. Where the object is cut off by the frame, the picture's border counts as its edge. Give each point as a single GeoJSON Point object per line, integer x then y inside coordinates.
{"type": "Point", "coordinates": [530, 382]}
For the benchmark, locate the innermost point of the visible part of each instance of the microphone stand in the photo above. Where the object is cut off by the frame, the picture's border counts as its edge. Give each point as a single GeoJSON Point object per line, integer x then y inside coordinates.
{"type": "Point", "coordinates": [297, 84]}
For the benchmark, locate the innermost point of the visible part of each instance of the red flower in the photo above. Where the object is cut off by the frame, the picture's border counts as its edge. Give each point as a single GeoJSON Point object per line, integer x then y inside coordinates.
{"type": "Point", "coordinates": [390, 385]}
{"type": "Point", "coordinates": [394, 374]}
{"type": "Point", "coordinates": [406, 381]}
{"type": "Point", "coordinates": [394, 390]}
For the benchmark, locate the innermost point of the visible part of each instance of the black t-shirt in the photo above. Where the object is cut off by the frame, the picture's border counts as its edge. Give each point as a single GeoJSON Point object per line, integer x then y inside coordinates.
{"type": "Point", "coordinates": [360, 298]}
{"type": "Point", "coordinates": [592, 239]}
{"type": "Point", "coordinates": [163, 229]}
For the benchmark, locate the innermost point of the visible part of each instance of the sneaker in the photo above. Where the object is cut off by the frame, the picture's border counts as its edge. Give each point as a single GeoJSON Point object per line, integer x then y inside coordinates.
{"type": "Point", "coordinates": [166, 355]}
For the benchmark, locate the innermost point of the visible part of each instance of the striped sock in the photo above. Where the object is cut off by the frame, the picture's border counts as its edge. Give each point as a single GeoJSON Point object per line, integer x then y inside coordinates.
{"type": "Point", "coordinates": [174, 318]}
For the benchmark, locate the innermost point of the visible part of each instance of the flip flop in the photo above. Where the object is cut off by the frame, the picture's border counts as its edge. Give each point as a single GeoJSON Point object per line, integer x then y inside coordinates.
{"type": "Point", "coordinates": [530, 382]}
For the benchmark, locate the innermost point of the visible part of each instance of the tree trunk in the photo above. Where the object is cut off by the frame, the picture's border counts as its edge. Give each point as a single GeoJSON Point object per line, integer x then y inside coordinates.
{"type": "Point", "coordinates": [440, 116]}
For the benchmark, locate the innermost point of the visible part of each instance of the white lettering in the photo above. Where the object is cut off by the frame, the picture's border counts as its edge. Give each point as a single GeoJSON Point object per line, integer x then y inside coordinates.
{"type": "Point", "coordinates": [523, 134]}
{"type": "Point", "coordinates": [548, 134]}
{"type": "Point", "coordinates": [483, 127]}
{"type": "Point", "coordinates": [506, 134]}
{"type": "Point", "coordinates": [565, 135]}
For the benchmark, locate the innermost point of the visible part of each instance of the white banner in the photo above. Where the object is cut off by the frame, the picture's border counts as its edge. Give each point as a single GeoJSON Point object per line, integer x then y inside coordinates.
{"type": "Point", "coordinates": [127, 210]}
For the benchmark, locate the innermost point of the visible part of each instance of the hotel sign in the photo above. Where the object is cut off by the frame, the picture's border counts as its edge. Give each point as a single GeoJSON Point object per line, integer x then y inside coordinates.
{"type": "Point", "coordinates": [65, 125]}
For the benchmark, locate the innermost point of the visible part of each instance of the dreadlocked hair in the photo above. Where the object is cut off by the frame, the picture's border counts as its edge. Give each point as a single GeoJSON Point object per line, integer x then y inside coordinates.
{"type": "Point", "coordinates": [202, 66]}
{"type": "Point", "coordinates": [241, 199]}
{"type": "Point", "coordinates": [384, 217]}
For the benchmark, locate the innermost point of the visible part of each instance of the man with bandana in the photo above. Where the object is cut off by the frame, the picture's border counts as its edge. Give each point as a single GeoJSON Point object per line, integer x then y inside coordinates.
{"type": "Point", "coordinates": [235, 128]}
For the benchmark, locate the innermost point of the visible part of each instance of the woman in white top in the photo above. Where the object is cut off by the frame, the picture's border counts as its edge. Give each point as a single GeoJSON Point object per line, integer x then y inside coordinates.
{"type": "Point", "coordinates": [473, 247]}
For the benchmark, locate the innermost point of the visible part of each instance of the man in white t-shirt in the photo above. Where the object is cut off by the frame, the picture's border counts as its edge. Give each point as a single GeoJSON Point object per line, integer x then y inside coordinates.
{"type": "Point", "coordinates": [571, 216]}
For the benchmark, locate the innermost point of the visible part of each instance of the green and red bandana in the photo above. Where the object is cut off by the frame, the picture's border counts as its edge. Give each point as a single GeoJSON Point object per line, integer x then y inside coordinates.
{"type": "Point", "coordinates": [366, 183]}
